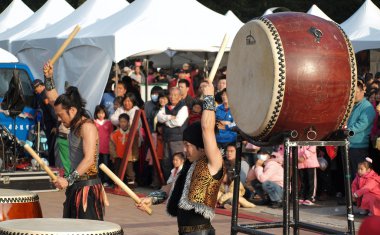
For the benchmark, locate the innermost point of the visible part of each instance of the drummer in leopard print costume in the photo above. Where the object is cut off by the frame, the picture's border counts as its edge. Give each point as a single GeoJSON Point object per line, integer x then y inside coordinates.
{"type": "Point", "coordinates": [192, 198]}
{"type": "Point", "coordinates": [85, 195]}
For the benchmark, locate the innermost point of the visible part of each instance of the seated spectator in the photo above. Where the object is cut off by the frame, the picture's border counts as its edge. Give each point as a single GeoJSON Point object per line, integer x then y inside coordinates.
{"type": "Point", "coordinates": [366, 189]}
{"type": "Point", "coordinates": [225, 195]}
{"type": "Point", "coordinates": [267, 178]}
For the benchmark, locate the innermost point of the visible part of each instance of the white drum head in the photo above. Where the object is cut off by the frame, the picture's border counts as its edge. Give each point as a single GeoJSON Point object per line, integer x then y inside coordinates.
{"type": "Point", "coordinates": [253, 75]}
{"type": "Point", "coordinates": [17, 196]}
{"type": "Point", "coordinates": [59, 226]}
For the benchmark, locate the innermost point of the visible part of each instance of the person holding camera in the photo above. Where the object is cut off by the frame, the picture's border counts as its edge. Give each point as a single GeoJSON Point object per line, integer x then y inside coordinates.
{"type": "Point", "coordinates": [267, 178]}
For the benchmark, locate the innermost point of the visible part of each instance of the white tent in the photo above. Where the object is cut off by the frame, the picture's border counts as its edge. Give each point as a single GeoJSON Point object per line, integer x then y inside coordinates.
{"type": "Point", "coordinates": [14, 14]}
{"type": "Point", "coordinates": [232, 17]}
{"type": "Point", "coordinates": [144, 27]}
{"type": "Point", "coordinates": [315, 10]}
{"type": "Point", "coordinates": [359, 25]}
{"type": "Point", "coordinates": [371, 41]}
{"type": "Point", "coordinates": [51, 12]}
{"type": "Point", "coordinates": [7, 57]}
{"type": "Point", "coordinates": [37, 48]}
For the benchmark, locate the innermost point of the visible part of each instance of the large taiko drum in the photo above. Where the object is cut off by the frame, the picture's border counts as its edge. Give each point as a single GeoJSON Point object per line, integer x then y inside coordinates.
{"type": "Point", "coordinates": [291, 72]}
{"type": "Point", "coordinates": [58, 226]}
{"type": "Point", "coordinates": [19, 204]}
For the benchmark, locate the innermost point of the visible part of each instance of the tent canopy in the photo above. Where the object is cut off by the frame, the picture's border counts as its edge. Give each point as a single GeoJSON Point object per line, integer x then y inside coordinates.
{"type": "Point", "coordinates": [145, 27]}
{"type": "Point", "coordinates": [7, 57]}
{"type": "Point", "coordinates": [164, 18]}
{"type": "Point", "coordinates": [51, 12]}
{"type": "Point", "coordinates": [360, 23]}
{"type": "Point", "coordinates": [371, 41]}
{"type": "Point", "coordinates": [37, 48]}
{"type": "Point", "coordinates": [14, 14]}
{"type": "Point", "coordinates": [315, 10]}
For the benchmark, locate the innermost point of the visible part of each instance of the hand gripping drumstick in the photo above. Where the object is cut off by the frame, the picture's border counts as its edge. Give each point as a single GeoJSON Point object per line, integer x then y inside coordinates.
{"type": "Point", "coordinates": [218, 58]}
{"type": "Point", "coordinates": [121, 184]}
{"type": "Point", "coordinates": [65, 44]}
{"type": "Point", "coordinates": [39, 160]}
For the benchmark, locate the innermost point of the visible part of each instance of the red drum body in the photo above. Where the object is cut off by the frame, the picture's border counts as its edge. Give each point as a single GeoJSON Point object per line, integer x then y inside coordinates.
{"type": "Point", "coordinates": [291, 72]}
{"type": "Point", "coordinates": [18, 204]}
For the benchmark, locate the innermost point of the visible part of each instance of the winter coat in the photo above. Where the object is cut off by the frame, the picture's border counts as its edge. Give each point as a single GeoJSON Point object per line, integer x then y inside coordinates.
{"type": "Point", "coordinates": [309, 153]}
{"type": "Point", "coordinates": [367, 188]}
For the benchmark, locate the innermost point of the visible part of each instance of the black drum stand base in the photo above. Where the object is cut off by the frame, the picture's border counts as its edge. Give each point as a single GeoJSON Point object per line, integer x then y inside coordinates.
{"type": "Point", "coordinates": [294, 221]}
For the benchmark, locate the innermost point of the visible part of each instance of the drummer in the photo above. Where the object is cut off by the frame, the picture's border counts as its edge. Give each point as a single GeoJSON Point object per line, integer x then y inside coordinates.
{"type": "Point", "coordinates": [85, 195]}
{"type": "Point", "coordinates": [193, 197]}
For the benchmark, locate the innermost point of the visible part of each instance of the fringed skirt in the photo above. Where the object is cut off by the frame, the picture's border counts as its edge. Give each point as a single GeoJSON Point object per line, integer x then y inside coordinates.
{"type": "Point", "coordinates": [85, 200]}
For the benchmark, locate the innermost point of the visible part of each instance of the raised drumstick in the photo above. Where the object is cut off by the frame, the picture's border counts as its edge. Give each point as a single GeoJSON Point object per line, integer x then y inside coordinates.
{"type": "Point", "coordinates": [39, 160]}
{"type": "Point", "coordinates": [65, 44]}
{"type": "Point", "coordinates": [218, 58]}
{"type": "Point", "coordinates": [121, 184]}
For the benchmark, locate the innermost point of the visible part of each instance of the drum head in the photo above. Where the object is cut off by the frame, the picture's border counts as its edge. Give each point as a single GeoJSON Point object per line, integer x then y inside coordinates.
{"type": "Point", "coordinates": [253, 70]}
{"type": "Point", "coordinates": [17, 196]}
{"type": "Point", "coordinates": [58, 226]}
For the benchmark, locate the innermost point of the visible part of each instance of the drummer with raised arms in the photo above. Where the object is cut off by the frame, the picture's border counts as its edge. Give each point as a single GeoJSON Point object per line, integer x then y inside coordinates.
{"type": "Point", "coordinates": [192, 199]}
{"type": "Point", "coordinates": [85, 196]}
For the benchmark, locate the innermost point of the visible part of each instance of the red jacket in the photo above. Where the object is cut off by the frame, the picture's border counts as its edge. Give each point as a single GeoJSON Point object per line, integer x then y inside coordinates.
{"type": "Point", "coordinates": [367, 187]}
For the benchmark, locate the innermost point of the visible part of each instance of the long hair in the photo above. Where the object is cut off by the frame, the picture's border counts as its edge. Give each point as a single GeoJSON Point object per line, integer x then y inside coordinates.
{"type": "Point", "coordinates": [99, 108]}
{"type": "Point", "coordinates": [72, 99]}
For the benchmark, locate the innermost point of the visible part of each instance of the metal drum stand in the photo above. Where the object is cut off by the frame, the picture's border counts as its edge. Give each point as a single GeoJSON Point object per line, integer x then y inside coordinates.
{"type": "Point", "coordinates": [294, 222]}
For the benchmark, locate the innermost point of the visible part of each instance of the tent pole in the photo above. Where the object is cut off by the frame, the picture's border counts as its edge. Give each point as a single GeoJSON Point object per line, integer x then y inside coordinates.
{"type": "Point", "coordinates": [146, 78]}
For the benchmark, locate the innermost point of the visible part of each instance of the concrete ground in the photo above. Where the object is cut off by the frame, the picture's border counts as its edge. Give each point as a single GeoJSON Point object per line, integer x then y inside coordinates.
{"type": "Point", "coordinates": [123, 212]}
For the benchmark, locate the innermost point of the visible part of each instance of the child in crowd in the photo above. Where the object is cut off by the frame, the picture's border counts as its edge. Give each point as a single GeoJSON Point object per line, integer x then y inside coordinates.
{"type": "Point", "coordinates": [117, 102]}
{"type": "Point", "coordinates": [267, 178]}
{"type": "Point", "coordinates": [195, 112]}
{"type": "Point", "coordinates": [307, 165]}
{"type": "Point", "coordinates": [105, 128]}
{"type": "Point", "coordinates": [118, 143]}
{"type": "Point", "coordinates": [225, 194]}
{"type": "Point", "coordinates": [366, 189]}
{"type": "Point", "coordinates": [178, 160]}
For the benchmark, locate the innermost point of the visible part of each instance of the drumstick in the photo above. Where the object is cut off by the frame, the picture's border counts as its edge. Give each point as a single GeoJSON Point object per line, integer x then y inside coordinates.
{"type": "Point", "coordinates": [121, 184]}
{"type": "Point", "coordinates": [65, 44]}
{"type": "Point", "coordinates": [39, 160]}
{"type": "Point", "coordinates": [218, 58]}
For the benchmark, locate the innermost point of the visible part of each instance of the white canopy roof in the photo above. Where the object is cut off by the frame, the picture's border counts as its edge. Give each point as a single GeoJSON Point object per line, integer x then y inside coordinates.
{"type": "Point", "coordinates": [144, 27]}
{"type": "Point", "coordinates": [51, 12]}
{"type": "Point", "coordinates": [7, 57]}
{"type": "Point", "coordinates": [144, 18]}
{"type": "Point", "coordinates": [37, 48]}
{"type": "Point", "coordinates": [359, 25]}
{"type": "Point", "coordinates": [232, 17]}
{"type": "Point", "coordinates": [371, 41]}
{"type": "Point", "coordinates": [315, 10]}
{"type": "Point", "coordinates": [14, 14]}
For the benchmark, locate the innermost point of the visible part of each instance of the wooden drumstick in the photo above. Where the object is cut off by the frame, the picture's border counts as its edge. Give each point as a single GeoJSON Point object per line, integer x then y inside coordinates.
{"type": "Point", "coordinates": [65, 44]}
{"type": "Point", "coordinates": [123, 186]}
{"type": "Point", "coordinates": [218, 58]}
{"type": "Point", "coordinates": [39, 160]}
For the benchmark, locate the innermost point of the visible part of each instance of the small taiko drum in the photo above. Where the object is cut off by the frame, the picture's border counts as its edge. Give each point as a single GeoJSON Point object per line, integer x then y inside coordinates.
{"type": "Point", "coordinates": [19, 204]}
{"type": "Point", "coordinates": [59, 226]}
{"type": "Point", "coordinates": [291, 72]}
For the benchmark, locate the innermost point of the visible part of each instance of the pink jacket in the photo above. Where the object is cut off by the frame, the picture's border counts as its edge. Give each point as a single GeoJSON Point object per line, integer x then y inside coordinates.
{"type": "Point", "coordinates": [367, 187]}
{"type": "Point", "coordinates": [310, 155]}
{"type": "Point", "coordinates": [271, 171]}
{"type": "Point", "coordinates": [105, 130]}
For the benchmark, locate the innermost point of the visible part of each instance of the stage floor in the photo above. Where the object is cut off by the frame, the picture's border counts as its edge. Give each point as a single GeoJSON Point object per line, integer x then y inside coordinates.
{"type": "Point", "coordinates": [134, 222]}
